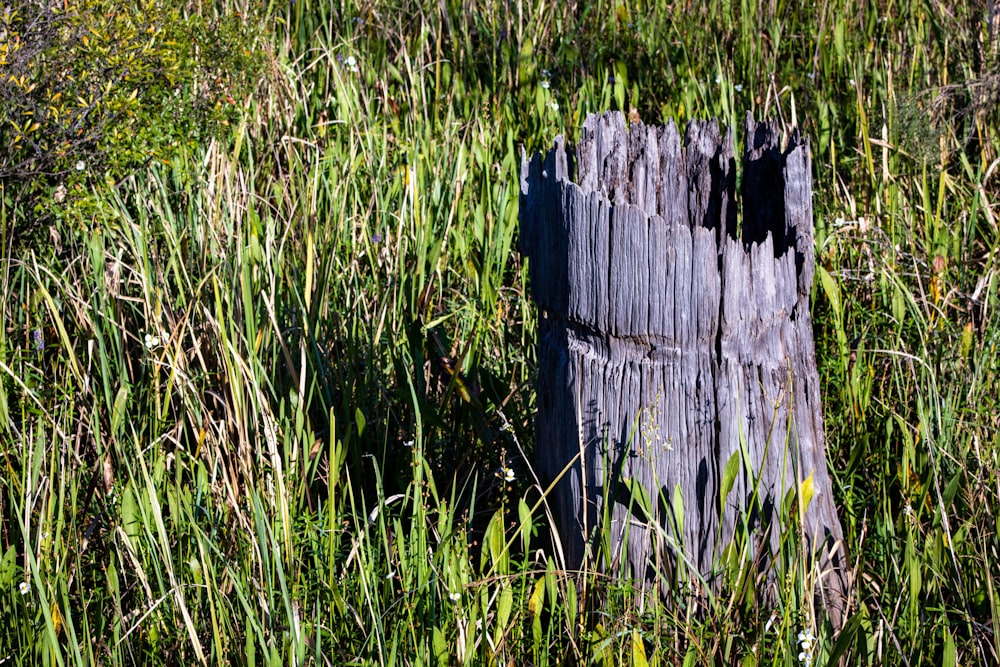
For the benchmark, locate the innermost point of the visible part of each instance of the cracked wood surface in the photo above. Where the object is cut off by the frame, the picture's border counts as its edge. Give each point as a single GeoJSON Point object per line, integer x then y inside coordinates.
{"type": "Point", "coordinates": [671, 338]}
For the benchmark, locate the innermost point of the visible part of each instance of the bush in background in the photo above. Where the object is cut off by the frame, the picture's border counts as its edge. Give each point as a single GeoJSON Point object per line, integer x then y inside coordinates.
{"type": "Point", "coordinates": [96, 88]}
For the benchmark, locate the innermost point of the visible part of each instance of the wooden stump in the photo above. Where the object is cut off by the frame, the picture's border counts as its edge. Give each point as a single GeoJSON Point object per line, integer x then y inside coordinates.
{"type": "Point", "coordinates": [673, 341]}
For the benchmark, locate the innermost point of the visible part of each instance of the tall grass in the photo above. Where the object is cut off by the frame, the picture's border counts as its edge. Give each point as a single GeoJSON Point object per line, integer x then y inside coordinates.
{"type": "Point", "coordinates": [271, 402]}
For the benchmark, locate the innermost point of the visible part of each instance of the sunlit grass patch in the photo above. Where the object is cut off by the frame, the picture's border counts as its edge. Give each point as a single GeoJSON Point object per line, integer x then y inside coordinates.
{"type": "Point", "coordinates": [272, 401]}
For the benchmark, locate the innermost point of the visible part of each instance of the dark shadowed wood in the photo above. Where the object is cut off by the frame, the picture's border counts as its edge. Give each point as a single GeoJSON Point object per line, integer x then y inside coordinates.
{"type": "Point", "coordinates": [671, 341]}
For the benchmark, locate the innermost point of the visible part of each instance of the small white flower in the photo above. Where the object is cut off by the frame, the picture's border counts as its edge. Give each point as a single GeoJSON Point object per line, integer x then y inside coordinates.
{"type": "Point", "coordinates": [554, 105]}
{"type": "Point", "coordinates": [806, 639]}
{"type": "Point", "coordinates": [852, 82]}
{"type": "Point", "coordinates": [59, 194]}
{"type": "Point", "coordinates": [23, 587]}
{"type": "Point", "coordinates": [738, 87]}
{"type": "Point", "coordinates": [352, 63]}
{"type": "Point", "coordinates": [545, 84]}
{"type": "Point", "coordinates": [811, 76]}
{"type": "Point", "coordinates": [718, 78]}
{"type": "Point", "coordinates": [392, 573]}
{"type": "Point", "coordinates": [81, 165]}
{"type": "Point", "coordinates": [506, 474]}
{"type": "Point", "coordinates": [455, 597]}
{"type": "Point", "coordinates": [408, 443]}
{"type": "Point", "coordinates": [152, 341]}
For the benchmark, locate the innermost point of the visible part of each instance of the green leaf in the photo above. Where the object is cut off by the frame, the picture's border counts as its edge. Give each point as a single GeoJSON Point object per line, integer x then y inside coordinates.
{"type": "Point", "coordinates": [570, 604]}
{"type": "Point", "coordinates": [949, 491]}
{"type": "Point", "coordinates": [950, 656]}
{"type": "Point", "coordinates": [915, 577]}
{"type": "Point", "coordinates": [7, 568]}
{"type": "Point", "coordinates": [535, 605]}
{"type": "Point", "coordinates": [679, 509]}
{"type": "Point", "coordinates": [118, 412]}
{"type": "Point", "coordinates": [495, 549]}
{"type": "Point", "coordinates": [527, 524]}
{"type": "Point", "coordinates": [807, 489]}
{"type": "Point", "coordinates": [131, 517]}
{"type": "Point", "coordinates": [504, 606]}
{"type": "Point", "coordinates": [359, 419]}
{"type": "Point", "coordinates": [967, 339]}
{"type": "Point", "coordinates": [638, 650]}
{"type": "Point", "coordinates": [787, 502]}
{"type": "Point", "coordinates": [639, 498]}
{"type": "Point", "coordinates": [831, 289]}
{"type": "Point", "coordinates": [440, 646]}
{"type": "Point", "coordinates": [729, 477]}
{"type": "Point", "coordinates": [621, 84]}
{"type": "Point", "coordinates": [537, 599]}
{"type": "Point", "coordinates": [844, 640]}
{"type": "Point", "coordinates": [526, 61]}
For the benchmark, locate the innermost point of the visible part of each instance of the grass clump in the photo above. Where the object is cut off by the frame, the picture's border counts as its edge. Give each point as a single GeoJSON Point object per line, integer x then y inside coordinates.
{"type": "Point", "coordinates": [267, 397]}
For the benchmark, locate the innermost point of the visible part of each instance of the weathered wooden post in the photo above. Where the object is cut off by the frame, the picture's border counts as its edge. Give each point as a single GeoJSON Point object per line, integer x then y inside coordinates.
{"type": "Point", "coordinates": [672, 343]}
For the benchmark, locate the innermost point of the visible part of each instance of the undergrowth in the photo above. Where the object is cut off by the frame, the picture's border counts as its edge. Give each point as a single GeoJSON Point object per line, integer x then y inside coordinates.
{"type": "Point", "coordinates": [269, 399]}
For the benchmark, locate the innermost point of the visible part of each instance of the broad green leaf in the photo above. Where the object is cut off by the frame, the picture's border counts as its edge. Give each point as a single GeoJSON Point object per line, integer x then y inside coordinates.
{"type": "Point", "coordinates": [967, 339]}
{"type": "Point", "coordinates": [949, 491]}
{"type": "Point", "coordinates": [679, 508]}
{"type": "Point", "coordinates": [504, 607]}
{"type": "Point", "coordinates": [535, 605]}
{"type": "Point", "coordinates": [621, 83]}
{"type": "Point", "coordinates": [118, 411]}
{"type": "Point", "coordinates": [638, 650]}
{"type": "Point", "coordinates": [359, 419]}
{"type": "Point", "coordinates": [639, 498]}
{"type": "Point", "coordinates": [729, 477]}
{"type": "Point", "coordinates": [550, 581]}
{"type": "Point", "coordinates": [440, 646]}
{"type": "Point", "coordinates": [527, 524]}
{"type": "Point", "coordinates": [526, 61]}
{"type": "Point", "coordinates": [537, 599]}
{"type": "Point", "coordinates": [495, 549]}
{"type": "Point", "coordinates": [846, 637]}
{"type": "Point", "coordinates": [831, 289]}
{"type": "Point", "coordinates": [807, 490]}
{"type": "Point", "coordinates": [131, 520]}
{"type": "Point", "coordinates": [7, 567]}
{"type": "Point", "coordinates": [950, 656]}
{"type": "Point", "coordinates": [787, 502]}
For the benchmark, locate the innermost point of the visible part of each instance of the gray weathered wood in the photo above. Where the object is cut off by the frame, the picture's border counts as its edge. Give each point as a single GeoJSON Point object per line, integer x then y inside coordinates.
{"type": "Point", "coordinates": [670, 340]}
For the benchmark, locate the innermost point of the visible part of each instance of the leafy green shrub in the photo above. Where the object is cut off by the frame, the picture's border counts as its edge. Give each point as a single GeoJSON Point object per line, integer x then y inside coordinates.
{"type": "Point", "coordinates": [96, 88]}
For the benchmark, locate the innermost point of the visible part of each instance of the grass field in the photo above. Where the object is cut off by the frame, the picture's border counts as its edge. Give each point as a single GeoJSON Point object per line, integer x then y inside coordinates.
{"type": "Point", "coordinates": [269, 399]}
